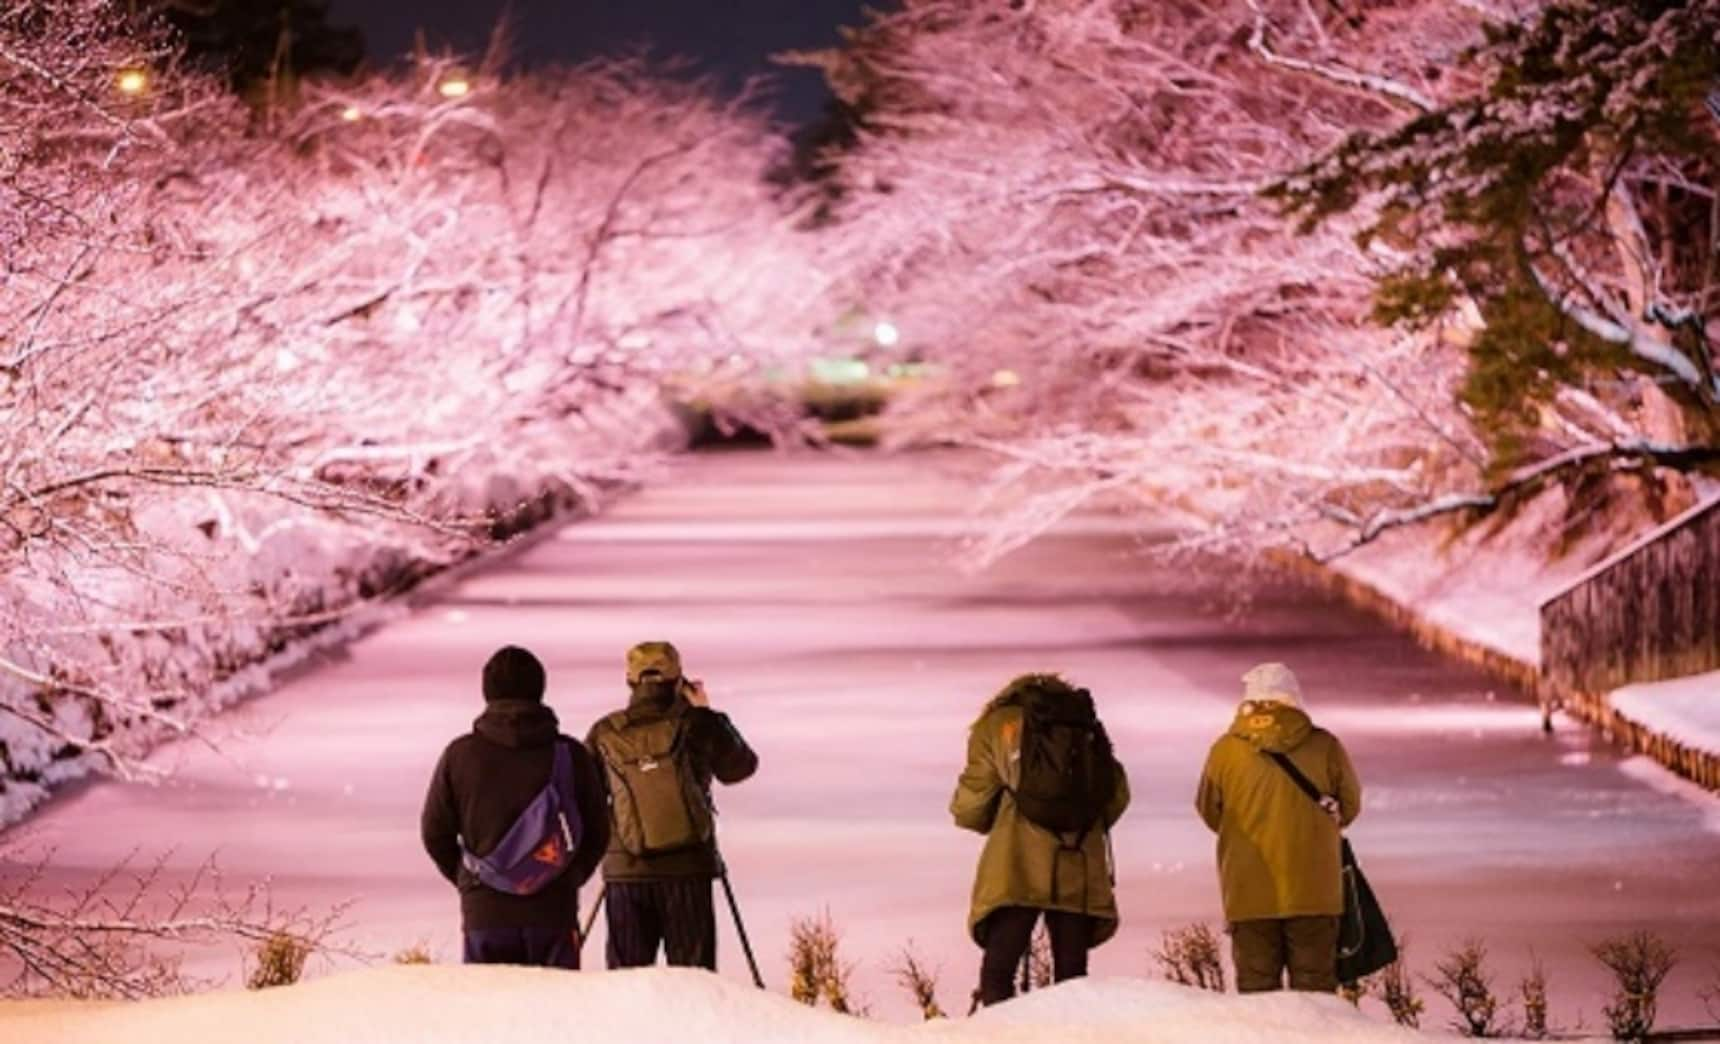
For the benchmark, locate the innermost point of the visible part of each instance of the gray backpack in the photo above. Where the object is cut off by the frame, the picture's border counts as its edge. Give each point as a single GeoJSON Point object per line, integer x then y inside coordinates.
{"type": "Point", "coordinates": [656, 800]}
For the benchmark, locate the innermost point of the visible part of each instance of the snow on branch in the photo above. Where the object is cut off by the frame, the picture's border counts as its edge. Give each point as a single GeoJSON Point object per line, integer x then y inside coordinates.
{"type": "Point", "coordinates": [1331, 72]}
{"type": "Point", "coordinates": [105, 941]}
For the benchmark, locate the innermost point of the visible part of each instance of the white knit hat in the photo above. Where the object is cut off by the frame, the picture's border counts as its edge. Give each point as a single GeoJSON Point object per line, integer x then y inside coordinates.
{"type": "Point", "coordinates": [1272, 683]}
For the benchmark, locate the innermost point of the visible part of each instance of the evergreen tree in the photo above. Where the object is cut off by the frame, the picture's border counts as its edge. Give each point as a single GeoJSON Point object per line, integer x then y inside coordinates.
{"type": "Point", "coordinates": [1572, 203]}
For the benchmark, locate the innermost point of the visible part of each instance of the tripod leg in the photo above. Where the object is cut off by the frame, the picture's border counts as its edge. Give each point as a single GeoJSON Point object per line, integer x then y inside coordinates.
{"type": "Point", "coordinates": [741, 929]}
{"type": "Point", "coordinates": [591, 920]}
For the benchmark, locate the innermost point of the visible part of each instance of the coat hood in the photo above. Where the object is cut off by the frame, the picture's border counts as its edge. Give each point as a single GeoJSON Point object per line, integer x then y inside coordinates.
{"type": "Point", "coordinates": [654, 695]}
{"type": "Point", "coordinates": [1016, 691]}
{"type": "Point", "coordinates": [517, 723]}
{"type": "Point", "coordinates": [1272, 726]}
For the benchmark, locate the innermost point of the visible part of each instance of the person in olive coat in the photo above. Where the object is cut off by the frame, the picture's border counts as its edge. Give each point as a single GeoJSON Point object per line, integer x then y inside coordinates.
{"type": "Point", "coordinates": [1026, 871]}
{"type": "Point", "coordinates": [1278, 851]}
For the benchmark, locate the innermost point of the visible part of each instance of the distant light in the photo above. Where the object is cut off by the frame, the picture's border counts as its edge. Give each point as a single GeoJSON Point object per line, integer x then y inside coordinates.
{"type": "Point", "coordinates": [634, 341]}
{"type": "Point", "coordinates": [455, 86]}
{"type": "Point", "coordinates": [132, 81]}
{"type": "Point", "coordinates": [886, 334]}
{"type": "Point", "coordinates": [352, 114]}
{"type": "Point", "coordinates": [1005, 379]}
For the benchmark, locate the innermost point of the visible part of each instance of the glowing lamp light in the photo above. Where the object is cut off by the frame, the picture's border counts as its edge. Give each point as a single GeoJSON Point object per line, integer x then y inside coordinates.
{"type": "Point", "coordinates": [454, 86]}
{"type": "Point", "coordinates": [352, 114]}
{"type": "Point", "coordinates": [132, 81]}
{"type": "Point", "coordinates": [1005, 379]}
{"type": "Point", "coordinates": [886, 334]}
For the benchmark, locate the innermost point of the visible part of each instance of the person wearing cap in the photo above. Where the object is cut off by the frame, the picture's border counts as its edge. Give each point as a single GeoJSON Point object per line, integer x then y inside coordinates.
{"type": "Point", "coordinates": [481, 785]}
{"type": "Point", "coordinates": [1278, 851]}
{"type": "Point", "coordinates": [658, 893]}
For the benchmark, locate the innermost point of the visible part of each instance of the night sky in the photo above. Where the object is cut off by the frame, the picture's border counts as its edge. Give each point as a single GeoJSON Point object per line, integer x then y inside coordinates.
{"type": "Point", "coordinates": [730, 39]}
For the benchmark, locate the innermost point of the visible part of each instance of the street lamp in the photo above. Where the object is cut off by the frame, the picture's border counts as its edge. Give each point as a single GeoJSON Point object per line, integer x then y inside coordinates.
{"type": "Point", "coordinates": [351, 114]}
{"type": "Point", "coordinates": [454, 85]}
{"type": "Point", "coordinates": [886, 334]}
{"type": "Point", "coordinates": [132, 82]}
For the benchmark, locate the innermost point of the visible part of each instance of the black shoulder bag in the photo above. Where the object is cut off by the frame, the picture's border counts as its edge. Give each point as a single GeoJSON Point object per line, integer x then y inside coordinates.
{"type": "Point", "coordinates": [1365, 942]}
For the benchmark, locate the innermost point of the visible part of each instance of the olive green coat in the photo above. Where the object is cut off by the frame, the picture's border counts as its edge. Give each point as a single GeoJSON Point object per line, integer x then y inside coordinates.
{"type": "Point", "coordinates": [1023, 864]}
{"type": "Point", "coordinates": [1278, 852]}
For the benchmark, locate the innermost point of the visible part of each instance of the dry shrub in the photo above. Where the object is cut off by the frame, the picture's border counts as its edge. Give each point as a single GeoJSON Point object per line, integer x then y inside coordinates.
{"type": "Point", "coordinates": [417, 953]}
{"type": "Point", "coordinates": [1396, 987]}
{"type": "Point", "coordinates": [280, 961]}
{"type": "Point", "coordinates": [920, 981]}
{"type": "Point", "coordinates": [1639, 962]}
{"type": "Point", "coordinates": [105, 941]}
{"type": "Point", "coordinates": [816, 970]}
{"type": "Point", "coordinates": [1462, 978]}
{"type": "Point", "coordinates": [1191, 956]}
{"type": "Point", "coordinates": [1533, 993]}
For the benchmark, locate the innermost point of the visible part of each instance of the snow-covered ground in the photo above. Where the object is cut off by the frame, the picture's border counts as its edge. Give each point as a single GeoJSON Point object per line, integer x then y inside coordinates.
{"type": "Point", "coordinates": [1485, 585]}
{"type": "Point", "coordinates": [1683, 709]}
{"type": "Point", "coordinates": [482, 1005]}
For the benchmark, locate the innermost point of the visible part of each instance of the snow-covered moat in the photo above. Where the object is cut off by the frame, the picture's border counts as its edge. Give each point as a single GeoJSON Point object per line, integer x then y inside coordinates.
{"type": "Point", "coordinates": [820, 599]}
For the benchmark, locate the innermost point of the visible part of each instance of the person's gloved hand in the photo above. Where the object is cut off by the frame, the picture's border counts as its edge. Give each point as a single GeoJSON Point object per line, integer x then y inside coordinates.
{"type": "Point", "coordinates": [695, 691]}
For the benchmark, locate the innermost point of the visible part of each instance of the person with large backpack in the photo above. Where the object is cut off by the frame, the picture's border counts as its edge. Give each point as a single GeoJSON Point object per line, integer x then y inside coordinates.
{"type": "Point", "coordinates": [1280, 848]}
{"type": "Point", "coordinates": [659, 757]}
{"type": "Point", "coordinates": [1043, 785]}
{"type": "Point", "coordinates": [514, 818]}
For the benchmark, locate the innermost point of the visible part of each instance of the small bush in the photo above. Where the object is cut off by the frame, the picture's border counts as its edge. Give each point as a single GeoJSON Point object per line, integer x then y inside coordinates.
{"type": "Point", "coordinates": [1639, 962]}
{"type": "Point", "coordinates": [1396, 988]}
{"type": "Point", "coordinates": [417, 953]}
{"type": "Point", "coordinates": [816, 970]}
{"type": "Point", "coordinates": [280, 961]}
{"type": "Point", "coordinates": [1533, 993]}
{"type": "Point", "coordinates": [918, 980]}
{"type": "Point", "coordinates": [1191, 956]}
{"type": "Point", "coordinates": [1462, 979]}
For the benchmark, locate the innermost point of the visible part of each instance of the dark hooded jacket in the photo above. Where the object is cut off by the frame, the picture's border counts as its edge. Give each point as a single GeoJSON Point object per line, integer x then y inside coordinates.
{"type": "Point", "coordinates": [718, 753]}
{"type": "Point", "coordinates": [1278, 851]}
{"type": "Point", "coordinates": [484, 780]}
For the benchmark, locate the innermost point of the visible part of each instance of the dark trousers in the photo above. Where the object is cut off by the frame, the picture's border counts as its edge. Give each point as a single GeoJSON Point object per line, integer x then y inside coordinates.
{"type": "Point", "coordinates": [1306, 947]}
{"type": "Point", "coordinates": [676, 913]}
{"type": "Point", "coordinates": [1008, 933]}
{"type": "Point", "coordinates": [543, 947]}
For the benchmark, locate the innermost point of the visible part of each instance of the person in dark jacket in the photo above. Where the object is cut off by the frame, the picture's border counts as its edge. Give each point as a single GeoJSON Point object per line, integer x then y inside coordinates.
{"type": "Point", "coordinates": [482, 783]}
{"type": "Point", "coordinates": [664, 898]}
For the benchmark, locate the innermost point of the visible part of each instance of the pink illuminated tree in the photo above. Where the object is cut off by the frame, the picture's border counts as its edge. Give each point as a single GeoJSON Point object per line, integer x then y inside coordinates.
{"type": "Point", "coordinates": [1066, 200]}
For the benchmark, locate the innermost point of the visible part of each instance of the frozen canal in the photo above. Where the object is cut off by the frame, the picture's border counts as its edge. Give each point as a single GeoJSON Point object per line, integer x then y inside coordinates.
{"type": "Point", "coordinates": [819, 599]}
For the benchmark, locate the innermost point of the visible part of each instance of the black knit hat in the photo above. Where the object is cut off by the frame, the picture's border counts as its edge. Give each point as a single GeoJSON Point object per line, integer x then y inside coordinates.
{"type": "Point", "coordinates": [513, 674]}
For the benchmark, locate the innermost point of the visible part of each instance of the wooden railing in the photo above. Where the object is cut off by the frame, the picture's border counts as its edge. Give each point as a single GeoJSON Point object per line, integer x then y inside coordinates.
{"type": "Point", "coordinates": [1649, 613]}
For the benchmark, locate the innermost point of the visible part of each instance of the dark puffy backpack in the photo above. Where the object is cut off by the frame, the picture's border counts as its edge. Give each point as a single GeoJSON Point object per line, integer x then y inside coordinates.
{"type": "Point", "coordinates": [1068, 772]}
{"type": "Point", "coordinates": [540, 845]}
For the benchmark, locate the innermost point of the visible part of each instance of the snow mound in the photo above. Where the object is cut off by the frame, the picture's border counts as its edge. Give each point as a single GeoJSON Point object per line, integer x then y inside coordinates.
{"type": "Point", "coordinates": [478, 1005]}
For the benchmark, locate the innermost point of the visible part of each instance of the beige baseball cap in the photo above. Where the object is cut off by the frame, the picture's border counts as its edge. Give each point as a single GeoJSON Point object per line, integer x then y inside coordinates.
{"type": "Point", "coordinates": [653, 656]}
